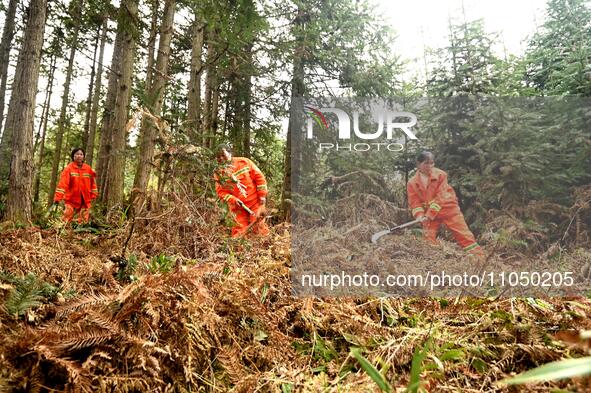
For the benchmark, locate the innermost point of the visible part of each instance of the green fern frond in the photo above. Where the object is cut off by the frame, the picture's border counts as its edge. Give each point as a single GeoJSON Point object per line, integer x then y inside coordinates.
{"type": "Point", "coordinates": [28, 292]}
{"type": "Point", "coordinates": [9, 278]}
{"type": "Point", "coordinates": [22, 299]}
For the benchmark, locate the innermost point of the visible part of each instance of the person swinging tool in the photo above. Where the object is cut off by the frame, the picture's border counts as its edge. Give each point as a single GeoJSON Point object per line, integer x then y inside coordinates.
{"type": "Point", "coordinates": [242, 185]}
{"type": "Point", "coordinates": [77, 187]}
{"type": "Point", "coordinates": [433, 201]}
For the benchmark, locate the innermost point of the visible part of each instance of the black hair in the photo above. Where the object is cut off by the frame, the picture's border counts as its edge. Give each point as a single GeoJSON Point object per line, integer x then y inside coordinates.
{"type": "Point", "coordinates": [77, 149]}
{"type": "Point", "coordinates": [424, 155]}
{"type": "Point", "coordinates": [223, 146]}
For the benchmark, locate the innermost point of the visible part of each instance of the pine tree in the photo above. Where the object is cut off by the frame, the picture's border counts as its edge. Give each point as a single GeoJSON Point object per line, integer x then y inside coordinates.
{"type": "Point", "coordinates": [127, 30]}
{"type": "Point", "coordinates": [155, 94]}
{"type": "Point", "coordinates": [559, 54]}
{"type": "Point", "coordinates": [19, 121]}
{"type": "Point", "coordinates": [5, 44]}
{"type": "Point", "coordinates": [75, 23]}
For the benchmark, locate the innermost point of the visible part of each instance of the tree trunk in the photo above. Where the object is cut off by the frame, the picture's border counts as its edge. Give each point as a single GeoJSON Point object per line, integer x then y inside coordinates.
{"type": "Point", "coordinates": [239, 101]}
{"type": "Point", "coordinates": [126, 26]}
{"type": "Point", "coordinates": [105, 148]}
{"type": "Point", "coordinates": [247, 109]}
{"type": "Point", "coordinates": [292, 152]}
{"type": "Point", "coordinates": [46, 102]}
{"type": "Point", "coordinates": [215, 104]}
{"type": "Point", "coordinates": [21, 112]}
{"type": "Point", "coordinates": [43, 127]}
{"type": "Point", "coordinates": [194, 94]}
{"type": "Point", "coordinates": [86, 131]}
{"type": "Point", "coordinates": [152, 44]}
{"type": "Point", "coordinates": [7, 36]}
{"type": "Point", "coordinates": [244, 102]}
{"type": "Point", "coordinates": [155, 94]}
{"type": "Point", "coordinates": [96, 97]}
{"type": "Point", "coordinates": [61, 124]}
{"type": "Point", "coordinates": [211, 95]}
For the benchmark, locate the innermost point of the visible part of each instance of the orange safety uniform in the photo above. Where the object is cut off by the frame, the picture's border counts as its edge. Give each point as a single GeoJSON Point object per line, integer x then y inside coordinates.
{"type": "Point", "coordinates": [78, 188]}
{"type": "Point", "coordinates": [437, 201]}
{"type": "Point", "coordinates": [242, 180]}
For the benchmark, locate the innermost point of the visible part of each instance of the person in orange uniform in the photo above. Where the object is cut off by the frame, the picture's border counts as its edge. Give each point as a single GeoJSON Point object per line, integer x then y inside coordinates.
{"type": "Point", "coordinates": [242, 185]}
{"type": "Point", "coordinates": [433, 201]}
{"type": "Point", "coordinates": [77, 187]}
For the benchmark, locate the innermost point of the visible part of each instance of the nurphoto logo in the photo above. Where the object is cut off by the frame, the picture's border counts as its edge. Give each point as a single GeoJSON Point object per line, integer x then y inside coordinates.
{"type": "Point", "coordinates": [389, 121]}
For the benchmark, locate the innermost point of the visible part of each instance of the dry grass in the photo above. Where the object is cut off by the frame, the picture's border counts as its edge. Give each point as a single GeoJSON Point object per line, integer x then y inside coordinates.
{"type": "Point", "coordinates": [224, 319]}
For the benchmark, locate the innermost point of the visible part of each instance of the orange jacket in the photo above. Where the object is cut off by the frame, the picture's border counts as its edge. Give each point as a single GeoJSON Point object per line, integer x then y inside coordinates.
{"type": "Point", "coordinates": [431, 199]}
{"type": "Point", "coordinates": [240, 179]}
{"type": "Point", "coordinates": [76, 184]}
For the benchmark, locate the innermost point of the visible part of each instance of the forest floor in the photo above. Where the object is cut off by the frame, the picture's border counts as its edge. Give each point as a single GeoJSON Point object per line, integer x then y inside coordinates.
{"type": "Point", "coordinates": [173, 305]}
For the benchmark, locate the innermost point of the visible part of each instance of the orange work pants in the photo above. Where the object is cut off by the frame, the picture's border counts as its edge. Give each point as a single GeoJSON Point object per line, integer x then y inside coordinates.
{"type": "Point", "coordinates": [453, 219]}
{"type": "Point", "coordinates": [72, 209]}
{"type": "Point", "coordinates": [243, 219]}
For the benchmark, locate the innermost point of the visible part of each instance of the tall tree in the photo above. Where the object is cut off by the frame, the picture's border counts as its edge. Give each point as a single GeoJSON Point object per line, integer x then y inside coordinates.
{"type": "Point", "coordinates": [45, 116]}
{"type": "Point", "coordinates": [334, 41]}
{"type": "Point", "coordinates": [93, 70]}
{"type": "Point", "coordinates": [6, 141]}
{"type": "Point", "coordinates": [21, 112]}
{"type": "Point", "coordinates": [298, 90]}
{"type": "Point", "coordinates": [152, 42]}
{"type": "Point", "coordinates": [75, 22]}
{"type": "Point", "coordinates": [106, 133]}
{"type": "Point", "coordinates": [210, 104]}
{"type": "Point", "coordinates": [559, 54]}
{"type": "Point", "coordinates": [248, 28]}
{"type": "Point", "coordinates": [127, 29]}
{"type": "Point", "coordinates": [96, 95]}
{"type": "Point", "coordinates": [194, 93]}
{"type": "Point", "coordinates": [7, 35]}
{"type": "Point", "coordinates": [155, 94]}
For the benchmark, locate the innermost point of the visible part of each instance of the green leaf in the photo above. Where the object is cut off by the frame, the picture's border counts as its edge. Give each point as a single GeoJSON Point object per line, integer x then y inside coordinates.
{"type": "Point", "coordinates": [452, 354]}
{"type": "Point", "coordinates": [552, 371]}
{"type": "Point", "coordinates": [323, 350]}
{"type": "Point", "coordinates": [416, 368]}
{"type": "Point", "coordinates": [286, 388]}
{"type": "Point", "coordinates": [373, 373]}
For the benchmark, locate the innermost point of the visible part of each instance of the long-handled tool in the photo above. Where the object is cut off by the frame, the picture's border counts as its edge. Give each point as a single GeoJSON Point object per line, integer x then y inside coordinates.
{"type": "Point", "coordinates": [243, 205]}
{"type": "Point", "coordinates": [376, 236]}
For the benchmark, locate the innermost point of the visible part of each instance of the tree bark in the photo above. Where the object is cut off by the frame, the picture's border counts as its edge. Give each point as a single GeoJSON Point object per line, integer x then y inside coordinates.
{"type": "Point", "coordinates": [96, 96]}
{"type": "Point", "coordinates": [43, 127]}
{"type": "Point", "coordinates": [239, 100]}
{"type": "Point", "coordinates": [244, 102]}
{"type": "Point", "coordinates": [155, 93]}
{"type": "Point", "coordinates": [21, 112]}
{"type": "Point", "coordinates": [86, 131]}
{"type": "Point", "coordinates": [152, 43]}
{"type": "Point", "coordinates": [194, 94]}
{"type": "Point", "coordinates": [108, 116]}
{"type": "Point", "coordinates": [246, 113]}
{"type": "Point", "coordinates": [210, 105]}
{"type": "Point", "coordinates": [7, 36]}
{"type": "Point", "coordinates": [298, 89]}
{"type": "Point", "coordinates": [61, 124]}
{"type": "Point", "coordinates": [126, 27]}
